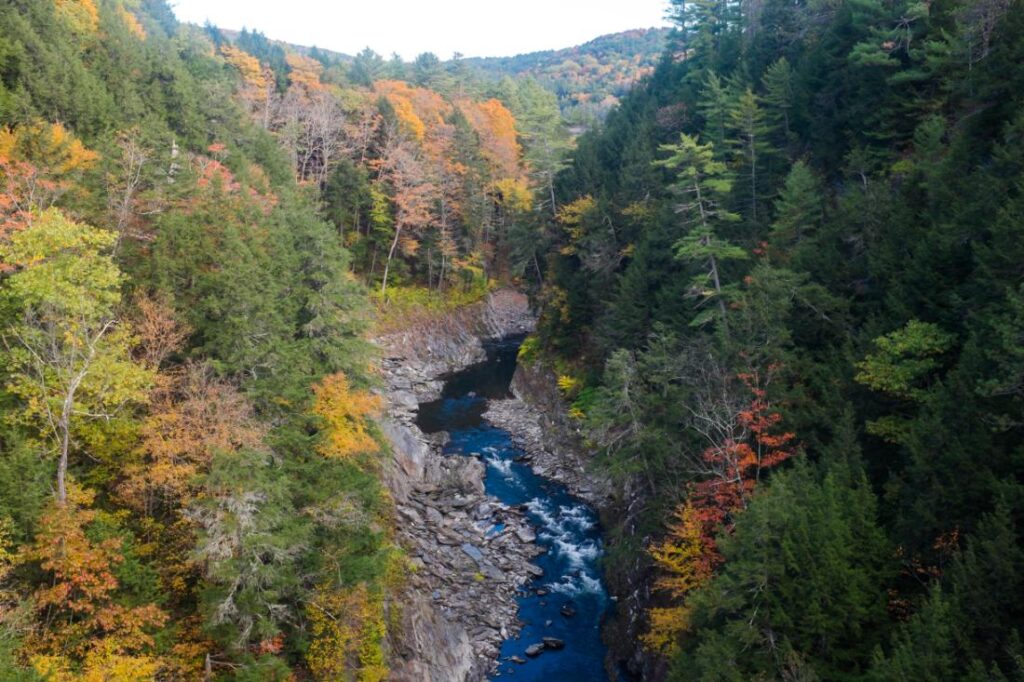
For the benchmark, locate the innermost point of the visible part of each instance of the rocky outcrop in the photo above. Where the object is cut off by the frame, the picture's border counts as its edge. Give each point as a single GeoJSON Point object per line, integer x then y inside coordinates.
{"type": "Point", "coordinates": [469, 555]}
{"type": "Point", "coordinates": [419, 356]}
{"type": "Point", "coordinates": [553, 450]}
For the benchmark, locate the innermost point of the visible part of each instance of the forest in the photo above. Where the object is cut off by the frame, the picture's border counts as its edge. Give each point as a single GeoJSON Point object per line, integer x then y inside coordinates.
{"type": "Point", "coordinates": [780, 282]}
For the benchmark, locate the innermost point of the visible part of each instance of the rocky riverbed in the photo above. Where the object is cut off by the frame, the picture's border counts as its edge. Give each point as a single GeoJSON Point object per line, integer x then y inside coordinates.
{"type": "Point", "coordinates": [469, 554]}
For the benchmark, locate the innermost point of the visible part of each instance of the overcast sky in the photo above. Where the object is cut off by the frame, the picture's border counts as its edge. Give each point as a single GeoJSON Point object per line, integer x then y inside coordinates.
{"type": "Point", "coordinates": [410, 27]}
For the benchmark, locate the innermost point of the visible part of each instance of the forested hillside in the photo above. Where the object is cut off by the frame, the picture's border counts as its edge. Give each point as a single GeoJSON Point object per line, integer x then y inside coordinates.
{"type": "Point", "coordinates": [786, 301]}
{"type": "Point", "coordinates": [197, 236]}
{"type": "Point", "coordinates": [589, 79]}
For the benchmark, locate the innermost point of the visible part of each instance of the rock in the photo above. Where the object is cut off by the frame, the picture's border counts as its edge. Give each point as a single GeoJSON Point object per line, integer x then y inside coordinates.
{"type": "Point", "coordinates": [553, 643]}
{"type": "Point", "coordinates": [535, 650]}
{"type": "Point", "coordinates": [568, 610]}
{"type": "Point", "coordinates": [411, 514]}
{"type": "Point", "coordinates": [541, 592]}
{"type": "Point", "coordinates": [434, 517]}
{"type": "Point", "coordinates": [491, 573]}
{"type": "Point", "coordinates": [516, 659]}
{"type": "Point", "coordinates": [525, 534]}
{"type": "Point", "coordinates": [534, 570]}
{"type": "Point", "coordinates": [472, 552]}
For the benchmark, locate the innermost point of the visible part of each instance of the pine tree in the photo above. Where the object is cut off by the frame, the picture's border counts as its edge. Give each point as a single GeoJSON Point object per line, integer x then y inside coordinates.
{"type": "Point", "coordinates": [798, 212]}
{"type": "Point", "coordinates": [703, 184]}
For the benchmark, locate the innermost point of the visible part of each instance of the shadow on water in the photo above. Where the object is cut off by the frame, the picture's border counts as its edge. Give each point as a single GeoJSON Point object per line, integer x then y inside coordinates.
{"type": "Point", "coordinates": [569, 602]}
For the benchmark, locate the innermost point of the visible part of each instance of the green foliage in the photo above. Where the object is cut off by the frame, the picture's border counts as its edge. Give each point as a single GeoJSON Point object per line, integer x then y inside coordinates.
{"type": "Point", "coordinates": [859, 173]}
{"type": "Point", "coordinates": [803, 581]}
{"type": "Point", "coordinates": [588, 79]}
{"type": "Point", "coordinates": [904, 359]}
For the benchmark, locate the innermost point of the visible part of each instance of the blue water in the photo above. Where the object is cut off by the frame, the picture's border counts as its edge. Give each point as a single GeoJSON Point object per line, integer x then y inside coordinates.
{"type": "Point", "coordinates": [566, 527]}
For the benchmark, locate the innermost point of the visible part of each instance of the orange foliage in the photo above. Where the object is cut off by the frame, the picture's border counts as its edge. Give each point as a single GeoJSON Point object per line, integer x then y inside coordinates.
{"type": "Point", "coordinates": [420, 112]}
{"type": "Point", "coordinates": [39, 164]}
{"type": "Point", "coordinates": [78, 601]}
{"type": "Point", "coordinates": [499, 144]}
{"type": "Point", "coordinates": [254, 77]}
{"type": "Point", "coordinates": [689, 556]}
{"type": "Point", "coordinates": [81, 15]}
{"type": "Point", "coordinates": [305, 73]}
{"type": "Point", "coordinates": [158, 333]}
{"type": "Point", "coordinates": [131, 22]}
{"type": "Point", "coordinates": [214, 174]}
{"type": "Point", "coordinates": [198, 416]}
{"type": "Point", "coordinates": [345, 413]}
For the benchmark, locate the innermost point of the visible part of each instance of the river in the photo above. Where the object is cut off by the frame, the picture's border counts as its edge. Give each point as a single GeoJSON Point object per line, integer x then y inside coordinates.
{"type": "Point", "coordinates": [569, 602]}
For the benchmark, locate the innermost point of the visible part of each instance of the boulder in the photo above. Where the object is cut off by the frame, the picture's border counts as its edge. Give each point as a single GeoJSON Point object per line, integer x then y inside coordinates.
{"type": "Point", "coordinates": [535, 650]}
{"type": "Point", "coordinates": [472, 552]}
{"type": "Point", "coordinates": [553, 643]}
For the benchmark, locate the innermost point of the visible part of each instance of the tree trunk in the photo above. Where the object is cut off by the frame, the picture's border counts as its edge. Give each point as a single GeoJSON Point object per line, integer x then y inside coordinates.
{"type": "Point", "coordinates": [387, 265]}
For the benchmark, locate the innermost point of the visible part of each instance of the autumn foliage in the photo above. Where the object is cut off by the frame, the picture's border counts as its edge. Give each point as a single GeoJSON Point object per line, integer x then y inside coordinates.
{"type": "Point", "coordinates": [348, 631]}
{"type": "Point", "coordinates": [345, 413]}
{"type": "Point", "coordinates": [40, 164]}
{"type": "Point", "coordinates": [688, 555]}
{"type": "Point", "coordinates": [79, 602]}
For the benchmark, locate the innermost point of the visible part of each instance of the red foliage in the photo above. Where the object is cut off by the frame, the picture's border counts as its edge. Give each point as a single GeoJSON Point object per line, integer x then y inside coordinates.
{"type": "Point", "coordinates": [738, 465]}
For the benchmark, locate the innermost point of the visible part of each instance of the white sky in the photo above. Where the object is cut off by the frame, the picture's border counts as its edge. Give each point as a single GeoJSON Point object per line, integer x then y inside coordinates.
{"type": "Point", "coordinates": [476, 28]}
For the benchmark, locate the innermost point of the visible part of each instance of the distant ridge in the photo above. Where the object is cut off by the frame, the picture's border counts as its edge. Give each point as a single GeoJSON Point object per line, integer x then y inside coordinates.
{"type": "Point", "coordinates": [589, 79]}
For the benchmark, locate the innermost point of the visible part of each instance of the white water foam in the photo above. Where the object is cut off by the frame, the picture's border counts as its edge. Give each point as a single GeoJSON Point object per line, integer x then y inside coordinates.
{"type": "Point", "coordinates": [572, 586]}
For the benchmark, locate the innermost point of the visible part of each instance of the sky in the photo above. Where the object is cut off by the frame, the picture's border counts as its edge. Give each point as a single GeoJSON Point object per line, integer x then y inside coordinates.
{"type": "Point", "coordinates": [476, 28]}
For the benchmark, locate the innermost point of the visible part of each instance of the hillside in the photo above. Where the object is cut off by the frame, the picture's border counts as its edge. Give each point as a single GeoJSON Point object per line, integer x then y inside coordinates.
{"type": "Point", "coordinates": [588, 79]}
{"type": "Point", "coordinates": [197, 236]}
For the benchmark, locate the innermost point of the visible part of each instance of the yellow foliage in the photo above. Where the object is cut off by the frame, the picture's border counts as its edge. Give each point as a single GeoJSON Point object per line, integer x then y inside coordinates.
{"type": "Point", "coordinates": [252, 72]}
{"type": "Point", "coordinates": [568, 385]}
{"type": "Point", "coordinates": [514, 194]}
{"type": "Point", "coordinates": [572, 213]}
{"type": "Point", "coordinates": [665, 625]}
{"type": "Point", "coordinates": [305, 72]}
{"type": "Point", "coordinates": [48, 145]}
{"type": "Point", "coordinates": [81, 15]}
{"type": "Point", "coordinates": [345, 413]}
{"type": "Point", "coordinates": [682, 562]}
{"type": "Point", "coordinates": [680, 556]}
{"type": "Point", "coordinates": [131, 22]}
{"type": "Point", "coordinates": [103, 664]}
{"type": "Point", "coordinates": [571, 218]}
{"type": "Point", "coordinates": [410, 122]}
{"type": "Point", "coordinates": [348, 631]}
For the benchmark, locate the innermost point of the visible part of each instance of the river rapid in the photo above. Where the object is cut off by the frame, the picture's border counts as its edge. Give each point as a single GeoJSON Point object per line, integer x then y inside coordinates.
{"type": "Point", "coordinates": [569, 601]}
